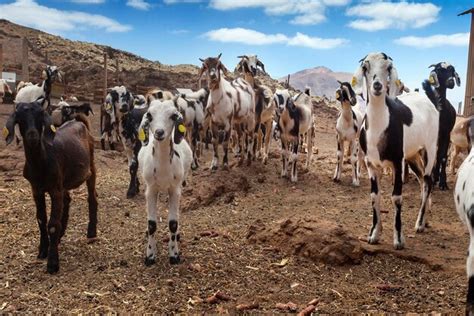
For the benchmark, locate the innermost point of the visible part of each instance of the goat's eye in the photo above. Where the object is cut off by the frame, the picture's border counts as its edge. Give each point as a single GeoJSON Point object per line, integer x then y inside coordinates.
{"type": "Point", "coordinates": [148, 116]}
{"type": "Point", "coordinates": [174, 117]}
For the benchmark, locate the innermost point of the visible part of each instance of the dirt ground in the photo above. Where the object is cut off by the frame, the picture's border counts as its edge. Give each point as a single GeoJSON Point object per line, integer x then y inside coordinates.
{"type": "Point", "coordinates": [238, 228]}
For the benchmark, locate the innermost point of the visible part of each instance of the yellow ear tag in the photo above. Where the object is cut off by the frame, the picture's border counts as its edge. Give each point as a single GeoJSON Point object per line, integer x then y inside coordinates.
{"type": "Point", "coordinates": [53, 128]}
{"type": "Point", "coordinates": [398, 83]}
{"type": "Point", "coordinates": [337, 95]}
{"type": "Point", "coordinates": [431, 79]}
{"type": "Point", "coordinates": [5, 132]}
{"type": "Point", "coordinates": [181, 128]}
{"type": "Point", "coordinates": [141, 134]}
{"type": "Point", "coordinates": [353, 81]}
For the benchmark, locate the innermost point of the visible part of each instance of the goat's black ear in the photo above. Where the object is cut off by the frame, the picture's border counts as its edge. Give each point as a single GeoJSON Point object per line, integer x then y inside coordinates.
{"type": "Point", "coordinates": [179, 129]}
{"type": "Point", "coordinates": [262, 66]}
{"type": "Point", "coordinates": [49, 130]}
{"type": "Point", "coordinates": [89, 109]}
{"type": "Point", "coordinates": [9, 129]}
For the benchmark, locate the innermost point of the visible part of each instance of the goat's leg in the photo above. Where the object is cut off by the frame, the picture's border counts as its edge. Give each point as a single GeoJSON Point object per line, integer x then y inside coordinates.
{"type": "Point", "coordinates": [310, 140]}
{"type": "Point", "coordinates": [284, 156]}
{"type": "Point", "coordinates": [65, 217]}
{"type": "Point", "coordinates": [215, 144]}
{"type": "Point", "coordinates": [443, 185]}
{"type": "Point", "coordinates": [225, 145]}
{"type": "Point", "coordinates": [102, 140]}
{"type": "Point", "coordinates": [93, 204]}
{"type": "Point", "coordinates": [42, 219]}
{"type": "Point", "coordinates": [173, 218]}
{"type": "Point", "coordinates": [54, 230]}
{"type": "Point", "coordinates": [293, 159]}
{"type": "Point", "coordinates": [267, 140]}
{"type": "Point", "coordinates": [426, 189]}
{"type": "Point", "coordinates": [251, 140]}
{"type": "Point", "coordinates": [340, 158]}
{"type": "Point", "coordinates": [259, 143]}
{"type": "Point", "coordinates": [355, 163]}
{"type": "Point", "coordinates": [194, 145]}
{"type": "Point", "coordinates": [470, 263]}
{"type": "Point", "coordinates": [454, 156]}
{"type": "Point", "coordinates": [151, 195]}
{"type": "Point", "coordinates": [376, 230]}
{"type": "Point", "coordinates": [398, 239]}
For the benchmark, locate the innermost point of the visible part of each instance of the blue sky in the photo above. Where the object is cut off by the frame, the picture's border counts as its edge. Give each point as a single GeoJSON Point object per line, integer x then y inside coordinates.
{"type": "Point", "coordinates": [287, 35]}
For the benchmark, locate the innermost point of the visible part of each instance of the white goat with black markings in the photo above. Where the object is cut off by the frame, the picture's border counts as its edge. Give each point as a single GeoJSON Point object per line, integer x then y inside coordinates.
{"type": "Point", "coordinates": [396, 130]}
{"type": "Point", "coordinates": [347, 130]}
{"type": "Point", "coordinates": [295, 118]}
{"type": "Point", "coordinates": [464, 200]}
{"type": "Point", "coordinates": [230, 104]}
{"type": "Point", "coordinates": [165, 161]}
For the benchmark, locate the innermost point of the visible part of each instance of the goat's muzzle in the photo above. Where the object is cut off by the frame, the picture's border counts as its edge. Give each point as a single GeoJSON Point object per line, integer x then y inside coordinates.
{"type": "Point", "coordinates": [32, 137]}
{"type": "Point", "coordinates": [450, 83]}
{"type": "Point", "coordinates": [124, 108]}
{"type": "Point", "coordinates": [159, 134]}
{"type": "Point", "coordinates": [377, 86]}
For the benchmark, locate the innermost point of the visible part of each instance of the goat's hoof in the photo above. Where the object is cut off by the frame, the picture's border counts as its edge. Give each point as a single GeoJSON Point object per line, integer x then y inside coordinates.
{"type": "Point", "coordinates": [43, 254]}
{"type": "Point", "coordinates": [443, 186]}
{"type": "Point", "coordinates": [355, 183]}
{"type": "Point", "coordinates": [213, 168]}
{"type": "Point", "coordinates": [150, 260]}
{"type": "Point", "coordinates": [336, 180]}
{"type": "Point", "coordinates": [225, 167]}
{"type": "Point", "coordinates": [398, 245]}
{"type": "Point", "coordinates": [131, 194]}
{"type": "Point", "coordinates": [420, 229]}
{"type": "Point", "coordinates": [52, 268]}
{"type": "Point", "coordinates": [175, 260]}
{"type": "Point", "coordinates": [373, 240]}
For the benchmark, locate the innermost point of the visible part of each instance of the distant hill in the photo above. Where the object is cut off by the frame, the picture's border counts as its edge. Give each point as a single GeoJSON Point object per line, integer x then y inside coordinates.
{"type": "Point", "coordinates": [321, 80]}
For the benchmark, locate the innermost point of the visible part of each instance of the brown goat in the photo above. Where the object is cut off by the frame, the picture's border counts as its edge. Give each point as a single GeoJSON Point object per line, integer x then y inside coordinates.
{"type": "Point", "coordinates": [56, 162]}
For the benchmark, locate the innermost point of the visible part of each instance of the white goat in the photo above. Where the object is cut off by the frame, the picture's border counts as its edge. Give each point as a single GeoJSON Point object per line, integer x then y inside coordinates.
{"type": "Point", "coordinates": [395, 130]}
{"type": "Point", "coordinates": [230, 104]}
{"type": "Point", "coordinates": [27, 92]}
{"type": "Point", "coordinates": [295, 118]}
{"type": "Point", "coordinates": [347, 130]}
{"type": "Point", "coordinates": [464, 200]}
{"type": "Point", "coordinates": [165, 160]}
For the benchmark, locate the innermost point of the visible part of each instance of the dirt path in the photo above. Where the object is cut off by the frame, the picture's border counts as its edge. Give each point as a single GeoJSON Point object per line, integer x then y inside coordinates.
{"type": "Point", "coordinates": [109, 275]}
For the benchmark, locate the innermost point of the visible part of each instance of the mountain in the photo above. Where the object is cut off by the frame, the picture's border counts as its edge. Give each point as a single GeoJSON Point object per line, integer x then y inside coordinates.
{"type": "Point", "coordinates": [82, 64]}
{"type": "Point", "coordinates": [321, 80]}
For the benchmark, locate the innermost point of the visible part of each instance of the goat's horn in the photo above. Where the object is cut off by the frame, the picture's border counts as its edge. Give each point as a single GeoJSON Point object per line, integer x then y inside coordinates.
{"type": "Point", "coordinates": [432, 65]}
{"type": "Point", "coordinates": [219, 56]}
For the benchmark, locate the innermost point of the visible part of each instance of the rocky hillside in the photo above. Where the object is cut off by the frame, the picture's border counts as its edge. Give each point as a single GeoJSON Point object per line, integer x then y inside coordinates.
{"type": "Point", "coordinates": [82, 64]}
{"type": "Point", "coordinates": [321, 80]}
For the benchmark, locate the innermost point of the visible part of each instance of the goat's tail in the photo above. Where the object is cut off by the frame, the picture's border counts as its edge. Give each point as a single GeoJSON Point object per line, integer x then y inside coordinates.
{"type": "Point", "coordinates": [80, 117]}
{"type": "Point", "coordinates": [430, 93]}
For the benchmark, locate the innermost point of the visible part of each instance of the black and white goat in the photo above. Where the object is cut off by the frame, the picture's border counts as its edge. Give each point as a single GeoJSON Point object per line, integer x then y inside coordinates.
{"type": "Point", "coordinates": [66, 112]}
{"type": "Point", "coordinates": [30, 92]}
{"type": "Point", "coordinates": [230, 104]}
{"type": "Point", "coordinates": [295, 118]}
{"type": "Point", "coordinates": [347, 130]}
{"type": "Point", "coordinates": [442, 77]}
{"type": "Point", "coordinates": [249, 66]}
{"type": "Point", "coordinates": [396, 130]}
{"type": "Point", "coordinates": [464, 200]}
{"type": "Point", "coordinates": [165, 161]}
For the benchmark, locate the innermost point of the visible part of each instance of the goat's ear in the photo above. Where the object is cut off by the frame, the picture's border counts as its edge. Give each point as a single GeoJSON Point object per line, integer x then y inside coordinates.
{"type": "Point", "coordinates": [49, 130]}
{"type": "Point", "coordinates": [357, 81]}
{"type": "Point", "coordinates": [201, 72]}
{"type": "Point", "coordinates": [143, 131]}
{"type": "Point", "coordinates": [458, 80]}
{"type": "Point", "coordinates": [89, 108]}
{"type": "Point", "coordinates": [262, 66]}
{"type": "Point", "coordinates": [223, 68]}
{"type": "Point", "coordinates": [394, 83]}
{"type": "Point", "coordinates": [179, 129]}
{"type": "Point", "coordinates": [433, 79]}
{"type": "Point", "coordinates": [9, 129]}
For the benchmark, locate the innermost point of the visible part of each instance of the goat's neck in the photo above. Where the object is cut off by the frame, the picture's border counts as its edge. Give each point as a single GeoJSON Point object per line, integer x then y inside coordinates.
{"type": "Point", "coordinates": [164, 151]}
{"type": "Point", "coordinates": [346, 112]}
{"type": "Point", "coordinates": [218, 91]}
{"type": "Point", "coordinates": [441, 90]}
{"type": "Point", "coordinates": [35, 155]}
{"type": "Point", "coordinates": [377, 111]}
{"type": "Point", "coordinates": [249, 78]}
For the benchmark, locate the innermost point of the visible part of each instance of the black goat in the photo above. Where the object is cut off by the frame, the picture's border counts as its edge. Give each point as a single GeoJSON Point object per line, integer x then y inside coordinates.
{"type": "Point", "coordinates": [442, 77]}
{"type": "Point", "coordinates": [56, 162]}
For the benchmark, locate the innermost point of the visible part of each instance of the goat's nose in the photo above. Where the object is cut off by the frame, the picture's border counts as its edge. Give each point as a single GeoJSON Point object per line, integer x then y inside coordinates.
{"type": "Point", "coordinates": [377, 86]}
{"type": "Point", "coordinates": [159, 134]}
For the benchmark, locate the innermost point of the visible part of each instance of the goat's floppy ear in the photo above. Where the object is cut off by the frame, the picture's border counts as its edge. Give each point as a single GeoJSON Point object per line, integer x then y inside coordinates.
{"type": "Point", "coordinates": [179, 129]}
{"type": "Point", "coordinates": [433, 79]}
{"type": "Point", "coordinates": [9, 129]}
{"type": "Point", "coordinates": [49, 130]}
{"type": "Point", "coordinates": [143, 131]}
{"type": "Point", "coordinates": [261, 65]}
{"type": "Point", "coordinates": [458, 80]}
{"type": "Point", "coordinates": [357, 81]}
{"type": "Point", "coordinates": [201, 72]}
{"type": "Point", "coordinates": [394, 83]}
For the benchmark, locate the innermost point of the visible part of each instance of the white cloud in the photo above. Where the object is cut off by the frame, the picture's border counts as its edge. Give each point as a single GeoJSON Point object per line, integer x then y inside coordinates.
{"type": "Point", "coordinates": [438, 40]}
{"type": "Point", "coordinates": [377, 16]}
{"type": "Point", "coordinates": [305, 12]}
{"type": "Point", "coordinates": [252, 37]}
{"type": "Point", "coordinates": [30, 13]}
{"type": "Point", "coordinates": [139, 4]}
{"type": "Point", "coordinates": [88, 1]}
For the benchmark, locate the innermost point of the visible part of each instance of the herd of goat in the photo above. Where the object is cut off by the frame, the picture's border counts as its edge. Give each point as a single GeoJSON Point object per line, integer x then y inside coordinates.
{"type": "Point", "coordinates": [163, 136]}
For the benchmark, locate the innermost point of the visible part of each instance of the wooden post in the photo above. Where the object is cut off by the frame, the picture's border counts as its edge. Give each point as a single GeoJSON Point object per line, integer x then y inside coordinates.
{"type": "Point", "coordinates": [25, 72]}
{"type": "Point", "coordinates": [468, 104]}
{"type": "Point", "coordinates": [105, 75]}
{"type": "Point", "coordinates": [1, 60]}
